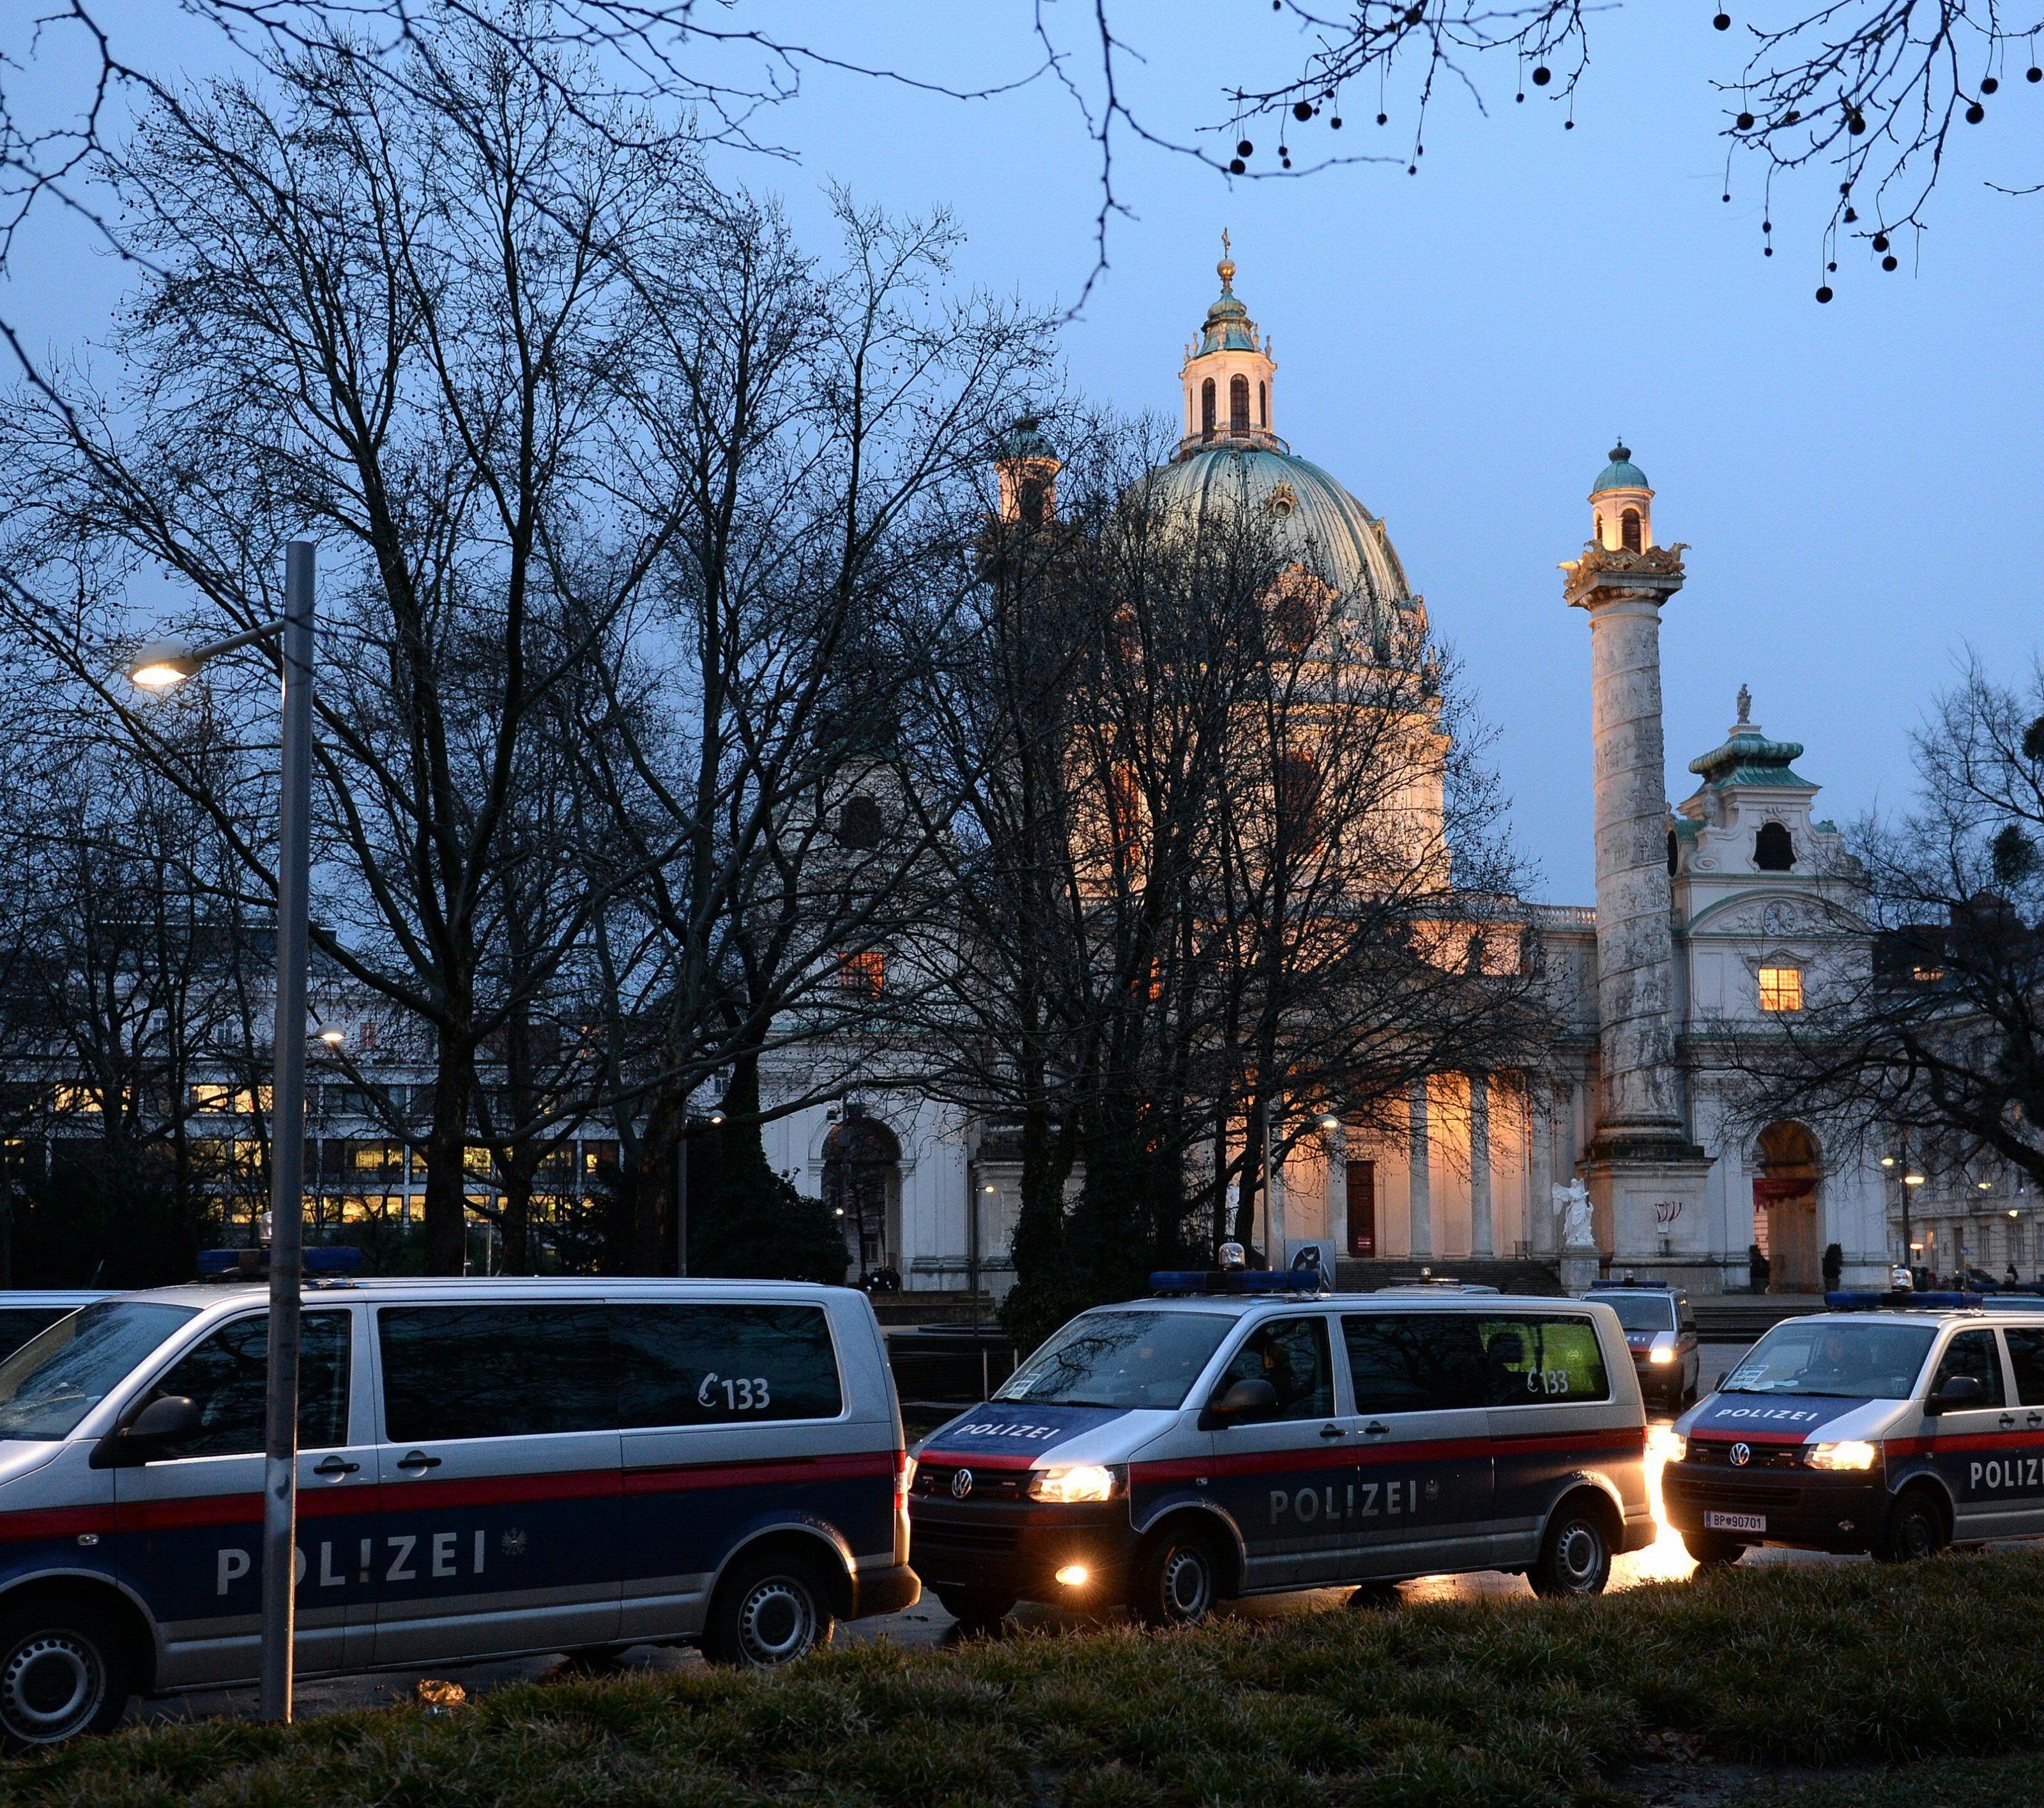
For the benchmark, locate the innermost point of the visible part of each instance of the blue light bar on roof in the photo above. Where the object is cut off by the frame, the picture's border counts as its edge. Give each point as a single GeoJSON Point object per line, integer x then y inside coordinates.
{"type": "Point", "coordinates": [1238, 1280]}
{"type": "Point", "coordinates": [254, 1264]}
{"type": "Point", "coordinates": [1900, 1299]}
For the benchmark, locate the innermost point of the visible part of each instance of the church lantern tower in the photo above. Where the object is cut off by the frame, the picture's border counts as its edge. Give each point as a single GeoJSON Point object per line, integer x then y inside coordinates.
{"type": "Point", "coordinates": [1622, 506]}
{"type": "Point", "coordinates": [1229, 376]}
{"type": "Point", "coordinates": [1027, 465]}
{"type": "Point", "coordinates": [1642, 1166]}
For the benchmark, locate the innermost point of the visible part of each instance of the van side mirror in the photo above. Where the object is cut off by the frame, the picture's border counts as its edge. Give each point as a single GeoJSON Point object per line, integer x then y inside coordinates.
{"type": "Point", "coordinates": [1957, 1392]}
{"type": "Point", "coordinates": [1244, 1401]}
{"type": "Point", "coordinates": [142, 1438]}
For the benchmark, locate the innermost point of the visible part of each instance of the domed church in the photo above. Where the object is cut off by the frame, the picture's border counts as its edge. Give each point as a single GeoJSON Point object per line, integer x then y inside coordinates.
{"type": "Point", "coordinates": [1619, 1151]}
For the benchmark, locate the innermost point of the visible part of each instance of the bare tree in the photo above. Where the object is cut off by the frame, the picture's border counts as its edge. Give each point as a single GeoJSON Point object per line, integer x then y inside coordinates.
{"type": "Point", "coordinates": [1927, 1021]}
{"type": "Point", "coordinates": [1204, 862]}
{"type": "Point", "coordinates": [396, 317]}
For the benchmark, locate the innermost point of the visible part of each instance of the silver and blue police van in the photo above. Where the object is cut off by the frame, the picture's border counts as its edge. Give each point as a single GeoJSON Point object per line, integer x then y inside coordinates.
{"type": "Point", "coordinates": [1243, 1433]}
{"type": "Point", "coordinates": [486, 1468]}
{"type": "Point", "coordinates": [1661, 1332]}
{"type": "Point", "coordinates": [1894, 1424]}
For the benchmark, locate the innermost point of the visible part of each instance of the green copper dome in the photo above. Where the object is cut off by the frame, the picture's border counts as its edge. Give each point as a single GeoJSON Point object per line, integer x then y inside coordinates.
{"type": "Point", "coordinates": [1334, 536]}
{"type": "Point", "coordinates": [1621, 473]}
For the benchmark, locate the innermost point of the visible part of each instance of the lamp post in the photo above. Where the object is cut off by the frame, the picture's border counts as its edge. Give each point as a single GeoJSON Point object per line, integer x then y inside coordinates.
{"type": "Point", "coordinates": [158, 667]}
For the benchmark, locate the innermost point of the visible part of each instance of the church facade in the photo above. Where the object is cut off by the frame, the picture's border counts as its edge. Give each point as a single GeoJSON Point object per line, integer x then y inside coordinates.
{"type": "Point", "coordinates": [1621, 1150]}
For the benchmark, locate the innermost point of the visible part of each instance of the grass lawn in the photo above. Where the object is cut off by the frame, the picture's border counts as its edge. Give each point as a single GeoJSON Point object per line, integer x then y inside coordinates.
{"type": "Point", "coordinates": [1513, 1702]}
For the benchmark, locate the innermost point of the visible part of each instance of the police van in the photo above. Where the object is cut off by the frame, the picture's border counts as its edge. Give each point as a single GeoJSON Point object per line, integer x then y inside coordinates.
{"type": "Point", "coordinates": [1661, 1332]}
{"type": "Point", "coordinates": [1896, 1424]}
{"type": "Point", "coordinates": [1245, 1433]}
{"type": "Point", "coordinates": [487, 1468]}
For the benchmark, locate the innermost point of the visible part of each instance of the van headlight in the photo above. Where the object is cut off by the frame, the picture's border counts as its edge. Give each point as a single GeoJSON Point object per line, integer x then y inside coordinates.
{"type": "Point", "coordinates": [1678, 1447]}
{"type": "Point", "coordinates": [1660, 1353]}
{"type": "Point", "coordinates": [1851, 1453]}
{"type": "Point", "coordinates": [1078, 1482]}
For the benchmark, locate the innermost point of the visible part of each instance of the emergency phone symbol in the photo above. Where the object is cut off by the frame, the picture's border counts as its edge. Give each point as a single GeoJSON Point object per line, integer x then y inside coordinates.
{"type": "Point", "coordinates": [1741, 1454]}
{"type": "Point", "coordinates": [961, 1484]}
{"type": "Point", "coordinates": [706, 1394]}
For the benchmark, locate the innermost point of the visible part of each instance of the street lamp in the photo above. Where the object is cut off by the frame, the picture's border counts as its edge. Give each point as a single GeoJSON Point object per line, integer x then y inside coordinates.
{"type": "Point", "coordinates": [158, 666]}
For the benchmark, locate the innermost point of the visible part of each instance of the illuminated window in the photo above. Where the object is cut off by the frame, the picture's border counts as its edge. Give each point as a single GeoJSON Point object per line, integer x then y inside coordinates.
{"type": "Point", "coordinates": [1237, 405]}
{"type": "Point", "coordinates": [1207, 409]}
{"type": "Point", "coordinates": [237, 1101]}
{"type": "Point", "coordinates": [1628, 528]}
{"type": "Point", "coordinates": [1926, 976]}
{"type": "Point", "coordinates": [1781, 988]}
{"type": "Point", "coordinates": [865, 974]}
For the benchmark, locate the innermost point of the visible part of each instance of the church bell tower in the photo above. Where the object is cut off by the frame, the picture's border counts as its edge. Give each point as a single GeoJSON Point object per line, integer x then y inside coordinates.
{"type": "Point", "coordinates": [1643, 1169]}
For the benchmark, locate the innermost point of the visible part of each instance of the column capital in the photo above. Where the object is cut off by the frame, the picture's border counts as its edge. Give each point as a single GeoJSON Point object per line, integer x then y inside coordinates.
{"type": "Point", "coordinates": [1608, 574]}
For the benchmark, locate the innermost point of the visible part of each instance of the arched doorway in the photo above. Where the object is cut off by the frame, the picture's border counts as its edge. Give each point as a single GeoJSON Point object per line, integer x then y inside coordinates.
{"type": "Point", "coordinates": [863, 1186]}
{"type": "Point", "coordinates": [1785, 1207]}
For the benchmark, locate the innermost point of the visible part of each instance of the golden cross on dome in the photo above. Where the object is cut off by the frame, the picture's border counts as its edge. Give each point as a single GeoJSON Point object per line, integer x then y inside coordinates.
{"type": "Point", "coordinates": [1225, 267]}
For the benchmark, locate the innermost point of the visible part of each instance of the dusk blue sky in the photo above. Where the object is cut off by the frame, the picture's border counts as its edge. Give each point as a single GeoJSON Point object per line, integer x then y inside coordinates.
{"type": "Point", "coordinates": [1857, 483]}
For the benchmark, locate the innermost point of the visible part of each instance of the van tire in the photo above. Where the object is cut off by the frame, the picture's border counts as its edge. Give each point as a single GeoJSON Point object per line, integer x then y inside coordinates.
{"type": "Point", "coordinates": [1713, 1550]}
{"type": "Point", "coordinates": [769, 1611]}
{"type": "Point", "coordinates": [1915, 1528]}
{"type": "Point", "coordinates": [976, 1609]}
{"type": "Point", "coordinates": [1177, 1579]}
{"type": "Point", "coordinates": [1575, 1554]}
{"type": "Point", "coordinates": [65, 1670]}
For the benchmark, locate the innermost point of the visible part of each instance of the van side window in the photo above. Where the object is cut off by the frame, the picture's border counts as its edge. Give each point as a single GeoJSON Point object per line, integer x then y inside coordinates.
{"type": "Point", "coordinates": [1533, 1358]}
{"type": "Point", "coordinates": [683, 1365]}
{"type": "Point", "coordinates": [2026, 1357]}
{"type": "Point", "coordinates": [227, 1375]}
{"type": "Point", "coordinates": [1291, 1355]}
{"type": "Point", "coordinates": [495, 1371]}
{"type": "Point", "coordinates": [1413, 1362]}
{"type": "Point", "coordinates": [1973, 1352]}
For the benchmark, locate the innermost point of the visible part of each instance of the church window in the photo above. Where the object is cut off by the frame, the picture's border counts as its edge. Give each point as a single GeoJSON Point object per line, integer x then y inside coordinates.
{"type": "Point", "coordinates": [1674, 854]}
{"type": "Point", "coordinates": [1207, 409]}
{"type": "Point", "coordinates": [1237, 405]}
{"type": "Point", "coordinates": [1773, 850]}
{"type": "Point", "coordinates": [1628, 528]}
{"type": "Point", "coordinates": [1298, 788]}
{"type": "Point", "coordinates": [1034, 491]}
{"type": "Point", "coordinates": [1780, 988]}
{"type": "Point", "coordinates": [860, 823]}
{"type": "Point", "coordinates": [865, 974]}
{"type": "Point", "coordinates": [1263, 406]}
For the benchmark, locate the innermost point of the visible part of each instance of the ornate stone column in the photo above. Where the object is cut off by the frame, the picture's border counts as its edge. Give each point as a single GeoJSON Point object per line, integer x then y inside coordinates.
{"type": "Point", "coordinates": [1641, 1154]}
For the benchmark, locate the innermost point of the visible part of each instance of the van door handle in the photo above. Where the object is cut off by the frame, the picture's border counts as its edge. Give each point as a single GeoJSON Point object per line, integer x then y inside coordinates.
{"type": "Point", "coordinates": [1332, 1431]}
{"type": "Point", "coordinates": [2036, 1419]}
{"type": "Point", "coordinates": [417, 1460]}
{"type": "Point", "coordinates": [336, 1466]}
{"type": "Point", "coordinates": [1376, 1429]}
{"type": "Point", "coordinates": [2009, 1421]}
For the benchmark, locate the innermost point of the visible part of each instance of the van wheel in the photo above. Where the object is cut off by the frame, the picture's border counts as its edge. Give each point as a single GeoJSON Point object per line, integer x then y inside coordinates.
{"type": "Point", "coordinates": [976, 1609]}
{"type": "Point", "coordinates": [63, 1671]}
{"type": "Point", "coordinates": [1916, 1528]}
{"type": "Point", "coordinates": [769, 1611]}
{"type": "Point", "coordinates": [1713, 1550]}
{"type": "Point", "coordinates": [1575, 1556]}
{"type": "Point", "coordinates": [1176, 1580]}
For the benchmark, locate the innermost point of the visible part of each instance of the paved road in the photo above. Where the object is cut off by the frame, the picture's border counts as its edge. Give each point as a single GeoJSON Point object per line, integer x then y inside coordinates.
{"type": "Point", "coordinates": [929, 1625]}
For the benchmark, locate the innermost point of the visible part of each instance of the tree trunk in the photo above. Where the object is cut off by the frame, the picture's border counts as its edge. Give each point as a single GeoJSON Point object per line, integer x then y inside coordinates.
{"type": "Point", "coordinates": [446, 1211]}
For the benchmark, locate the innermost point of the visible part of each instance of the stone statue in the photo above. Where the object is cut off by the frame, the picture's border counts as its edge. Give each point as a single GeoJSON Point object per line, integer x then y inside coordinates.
{"type": "Point", "coordinates": [1572, 1207]}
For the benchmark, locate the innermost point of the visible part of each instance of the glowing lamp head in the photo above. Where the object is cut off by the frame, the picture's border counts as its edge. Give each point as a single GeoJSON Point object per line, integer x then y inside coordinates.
{"type": "Point", "coordinates": [1331, 1122]}
{"type": "Point", "coordinates": [1912, 1180]}
{"type": "Point", "coordinates": [1074, 1575]}
{"type": "Point", "coordinates": [331, 1034]}
{"type": "Point", "coordinates": [160, 665]}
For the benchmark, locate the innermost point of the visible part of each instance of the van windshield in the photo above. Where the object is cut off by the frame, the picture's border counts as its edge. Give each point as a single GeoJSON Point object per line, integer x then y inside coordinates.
{"type": "Point", "coordinates": [56, 1379]}
{"type": "Point", "coordinates": [1121, 1359]}
{"type": "Point", "coordinates": [1641, 1311]}
{"type": "Point", "coordinates": [1844, 1360]}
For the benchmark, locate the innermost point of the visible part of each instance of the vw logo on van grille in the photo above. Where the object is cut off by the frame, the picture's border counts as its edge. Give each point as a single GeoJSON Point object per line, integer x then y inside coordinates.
{"type": "Point", "coordinates": [961, 1483]}
{"type": "Point", "coordinates": [1741, 1454]}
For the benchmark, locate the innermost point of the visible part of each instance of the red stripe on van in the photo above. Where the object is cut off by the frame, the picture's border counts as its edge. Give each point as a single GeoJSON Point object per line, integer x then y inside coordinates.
{"type": "Point", "coordinates": [1622, 1442]}
{"type": "Point", "coordinates": [54, 1522]}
